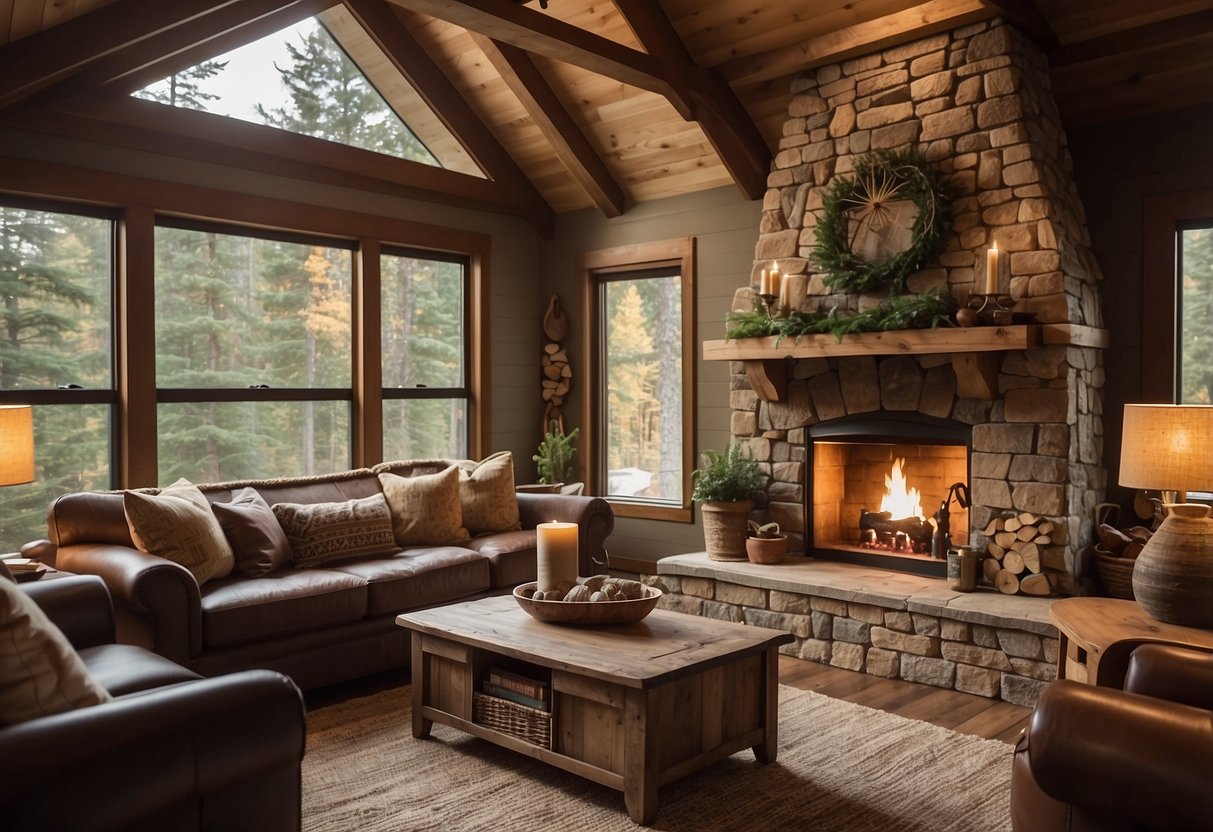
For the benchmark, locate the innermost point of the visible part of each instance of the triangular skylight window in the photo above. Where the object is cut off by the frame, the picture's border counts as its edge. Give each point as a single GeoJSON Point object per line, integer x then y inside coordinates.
{"type": "Point", "coordinates": [302, 80]}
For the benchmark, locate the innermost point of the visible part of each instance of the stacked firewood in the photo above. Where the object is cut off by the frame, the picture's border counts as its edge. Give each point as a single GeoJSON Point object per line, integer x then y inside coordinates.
{"type": "Point", "coordinates": [1014, 553]}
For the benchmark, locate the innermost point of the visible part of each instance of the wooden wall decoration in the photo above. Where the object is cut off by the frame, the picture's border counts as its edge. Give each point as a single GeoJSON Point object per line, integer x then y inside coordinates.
{"type": "Point", "coordinates": [557, 374]}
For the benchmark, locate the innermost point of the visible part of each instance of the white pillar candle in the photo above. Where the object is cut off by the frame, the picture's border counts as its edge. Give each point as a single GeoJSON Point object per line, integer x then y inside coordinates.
{"type": "Point", "coordinates": [993, 269]}
{"type": "Point", "coordinates": [775, 281]}
{"type": "Point", "coordinates": [763, 283]}
{"type": "Point", "coordinates": [557, 554]}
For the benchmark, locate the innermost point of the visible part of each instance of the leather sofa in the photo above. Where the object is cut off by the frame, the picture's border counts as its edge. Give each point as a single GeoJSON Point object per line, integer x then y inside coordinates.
{"type": "Point", "coordinates": [317, 625]}
{"type": "Point", "coordinates": [171, 751]}
{"type": "Point", "coordinates": [1095, 758]}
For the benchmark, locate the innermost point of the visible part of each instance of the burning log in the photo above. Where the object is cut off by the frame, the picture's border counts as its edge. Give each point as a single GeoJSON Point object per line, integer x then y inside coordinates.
{"type": "Point", "coordinates": [878, 530]}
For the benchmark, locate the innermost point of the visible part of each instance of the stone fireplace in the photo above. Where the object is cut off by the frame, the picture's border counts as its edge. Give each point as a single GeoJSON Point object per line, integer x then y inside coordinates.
{"type": "Point", "coordinates": [976, 101]}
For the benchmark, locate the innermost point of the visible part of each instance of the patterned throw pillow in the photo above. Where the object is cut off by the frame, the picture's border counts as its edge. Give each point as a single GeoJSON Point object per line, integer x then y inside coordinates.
{"type": "Point", "coordinates": [40, 673]}
{"type": "Point", "coordinates": [178, 524]}
{"type": "Point", "coordinates": [486, 489]}
{"type": "Point", "coordinates": [257, 539]}
{"type": "Point", "coordinates": [321, 533]}
{"type": "Point", "coordinates": [425, 507]}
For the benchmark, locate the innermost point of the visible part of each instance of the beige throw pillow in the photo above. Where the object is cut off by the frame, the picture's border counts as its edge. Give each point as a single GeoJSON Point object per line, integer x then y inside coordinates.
{"type": "Point", "coordinates": [425, 507]}
{"type": "Point", "coordinates": [40, 673]}
{"type": "Point", "coordinates": [177, 524]}
{"type": "Point", "coordinates": [486, 490]}
{"type": "Point", "coordinates": [321, 533]}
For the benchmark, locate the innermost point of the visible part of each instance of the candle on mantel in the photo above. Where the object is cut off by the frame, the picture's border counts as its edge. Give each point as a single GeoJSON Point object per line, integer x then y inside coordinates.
{"type": "Point", "coordinates": [764, 283]}
{"type": "Point", "coordinates": [773, 289]}
{"type": "Point", "coordinates": [557, 554]}
{"type": "Point", "coordinates": [993, 269]}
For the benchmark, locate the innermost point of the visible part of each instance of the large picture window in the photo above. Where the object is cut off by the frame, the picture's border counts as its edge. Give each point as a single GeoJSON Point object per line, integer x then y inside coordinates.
{"type": "Point", "coordinates": [253, 355]}
{"type": "Point", "coordinates": [1194, 338]}
{"type": "Point", "coordinates": [56, 352]}
{"type": "Point", "coordinates": [642, 401]}
{"type": "Point", "coordinates": [424, 344]}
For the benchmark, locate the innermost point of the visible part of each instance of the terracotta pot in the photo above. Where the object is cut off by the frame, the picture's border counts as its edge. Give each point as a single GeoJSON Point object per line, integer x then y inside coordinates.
{"type": "Point", "coordinates": [724, 529]}
{"type": "Point", "coordinates": [1173, 576]}
{"type": "Point", "coordinates": [766, 549]}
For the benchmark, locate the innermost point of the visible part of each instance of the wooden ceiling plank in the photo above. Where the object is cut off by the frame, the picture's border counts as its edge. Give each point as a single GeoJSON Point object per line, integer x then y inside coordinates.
{"type": "Point", "coordinates": [724, 120]}
{"type": "Point", "coordinates": [926, 19]}
{"type": "Point", "coordinates": [553, 120]}
{"type": "Point", "coordinates": [1025, 15]}
{"type": "Point", "coordinates": [1163, 33]}
{"type": "Point", "coordinates": [505, 22]}
{"type": "Point", "coordinates": [415, 63]}
{"type": "Point", "coordinates": [37, 61]}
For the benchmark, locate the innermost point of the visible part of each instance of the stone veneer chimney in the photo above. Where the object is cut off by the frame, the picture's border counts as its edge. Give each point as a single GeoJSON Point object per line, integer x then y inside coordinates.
{"type": "Point", "coordinates": [977, 102]}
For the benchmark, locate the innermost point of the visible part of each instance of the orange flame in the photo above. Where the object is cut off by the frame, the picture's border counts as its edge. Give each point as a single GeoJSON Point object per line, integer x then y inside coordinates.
{"type": "Point", "coordinates": [899, 500]}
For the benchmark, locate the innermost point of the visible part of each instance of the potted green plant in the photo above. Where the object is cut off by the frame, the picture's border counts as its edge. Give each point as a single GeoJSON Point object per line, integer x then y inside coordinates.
{"type": "Point", "coordinates": [554, 462]}
{"type": "Point", "coordinates": [766, 544]}
{"type": "Point", "coordinates": [723, 487]}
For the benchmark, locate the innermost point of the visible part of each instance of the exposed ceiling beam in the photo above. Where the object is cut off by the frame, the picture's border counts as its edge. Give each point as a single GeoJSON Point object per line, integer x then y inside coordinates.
{"type": "Point", "coordinates": [536, 32]}
{"type": "Point", "coordinates": [1162, 33]}
{"type": "Point", "coordinates": [56, 54]}
{"type": "Point", "coordinates": [724, 120]}
{"type": "Point", "coordinates": [567, 140]}
{"type": "Point", "coordinates": [863, 38]}
{"type": "Point", "coordinates": [403, 50]}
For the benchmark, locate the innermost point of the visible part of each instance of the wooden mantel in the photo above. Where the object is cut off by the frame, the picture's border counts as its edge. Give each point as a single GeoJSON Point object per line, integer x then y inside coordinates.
{"type": "Point", "coordinates": [973, 351]}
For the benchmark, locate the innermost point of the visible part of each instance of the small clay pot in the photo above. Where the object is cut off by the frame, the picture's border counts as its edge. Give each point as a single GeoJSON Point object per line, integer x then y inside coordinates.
{"type": "Point", "coordinates": [966, 317]}
{"type": "Point", "coordinates": [766, 549]}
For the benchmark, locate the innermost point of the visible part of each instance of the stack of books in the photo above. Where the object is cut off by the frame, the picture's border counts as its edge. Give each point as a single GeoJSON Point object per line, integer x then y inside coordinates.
{"type": "Point", "coordinates": [519, 689]}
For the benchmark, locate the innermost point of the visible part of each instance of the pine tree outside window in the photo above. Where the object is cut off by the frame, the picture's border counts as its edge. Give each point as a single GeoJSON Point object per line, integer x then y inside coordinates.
{"type": "Point", "coordinates": [1194, 336]}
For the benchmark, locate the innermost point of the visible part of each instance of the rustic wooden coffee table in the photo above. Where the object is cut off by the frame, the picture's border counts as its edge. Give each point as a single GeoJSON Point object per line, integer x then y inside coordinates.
{"type": "Point", "coordinates": [633, 707]}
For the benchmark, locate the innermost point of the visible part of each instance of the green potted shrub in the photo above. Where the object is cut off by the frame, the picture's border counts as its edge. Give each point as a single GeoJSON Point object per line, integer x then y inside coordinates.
{"type": "Point", "coordinates": [766, 544]}
{"type": "Point", "coordinates": [722, 488]}
{"type": "Point", "coordinates": [554, 462]}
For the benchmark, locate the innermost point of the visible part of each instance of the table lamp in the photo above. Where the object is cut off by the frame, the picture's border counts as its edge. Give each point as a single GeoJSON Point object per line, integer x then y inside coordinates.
{"type": "Point", "coordinates": [16, 444]}
{"type": "Point", "coordinates": [1170, 448]}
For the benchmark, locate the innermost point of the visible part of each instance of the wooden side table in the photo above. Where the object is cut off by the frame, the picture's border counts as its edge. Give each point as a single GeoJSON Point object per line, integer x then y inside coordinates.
{"type": "Point", "coordinates": [1098, 634]}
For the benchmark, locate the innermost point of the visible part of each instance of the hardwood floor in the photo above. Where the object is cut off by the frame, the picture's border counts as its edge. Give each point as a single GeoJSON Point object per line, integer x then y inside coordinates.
{"type": "Point", "coordinates": [964, 712]}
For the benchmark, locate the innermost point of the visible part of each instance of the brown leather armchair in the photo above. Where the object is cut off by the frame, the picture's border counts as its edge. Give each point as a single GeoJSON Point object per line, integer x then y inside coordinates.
{"type": "Point", "coordinates": [1096, 758]}
{"type": "Point", "coordinates": [171, 751]}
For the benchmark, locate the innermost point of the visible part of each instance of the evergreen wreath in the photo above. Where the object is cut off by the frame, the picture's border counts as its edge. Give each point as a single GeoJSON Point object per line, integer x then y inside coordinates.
{"type": "Point", "coordinates": [880, 178]}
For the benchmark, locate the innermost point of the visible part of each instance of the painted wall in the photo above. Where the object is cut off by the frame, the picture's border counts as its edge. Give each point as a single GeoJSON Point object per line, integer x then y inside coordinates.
{"type": "Point", "coordinates": [513, 267]}
{"type": "Point", "coordinates": [1116, 166]}
{"type": "Point", "coordinates": [725, 226]}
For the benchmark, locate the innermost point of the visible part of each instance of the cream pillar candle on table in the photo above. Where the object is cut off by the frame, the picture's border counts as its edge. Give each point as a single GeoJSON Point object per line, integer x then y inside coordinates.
{"type": "Point", "coordinates": [557, 558]}
{"type": "Point", "coordinates": [993, 269]}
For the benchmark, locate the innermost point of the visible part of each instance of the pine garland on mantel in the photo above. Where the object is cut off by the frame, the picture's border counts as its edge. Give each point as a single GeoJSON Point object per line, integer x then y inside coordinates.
{"type": "Point", "coordinates": [929, 310]}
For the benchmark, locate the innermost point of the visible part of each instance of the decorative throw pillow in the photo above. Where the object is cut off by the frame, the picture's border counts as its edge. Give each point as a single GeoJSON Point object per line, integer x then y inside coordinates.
{"type": "Point", "coordinates": [486, 490]}
{"type": "Point", "coordinates": [178, 524]}
{"type": "Point", "coordinates": [321, 533]}
{"type": "Point", "coordinates": [425, 507]}
{"type": "Point", "coordinates": [40, 673]}
{"type": "Point", "coordinates": [257, 539]}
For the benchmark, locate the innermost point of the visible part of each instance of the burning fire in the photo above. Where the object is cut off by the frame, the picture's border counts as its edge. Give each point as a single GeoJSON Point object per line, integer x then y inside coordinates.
{"type": "Point", "coordinates": [899, 500]}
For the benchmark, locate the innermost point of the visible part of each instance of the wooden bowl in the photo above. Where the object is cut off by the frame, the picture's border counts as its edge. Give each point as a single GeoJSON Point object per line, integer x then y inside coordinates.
{"type": "Point", "coordinates": [586, 612]}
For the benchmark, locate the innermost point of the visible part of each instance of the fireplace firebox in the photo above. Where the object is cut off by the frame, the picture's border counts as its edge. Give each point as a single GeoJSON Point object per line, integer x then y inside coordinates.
{"type": "Point", "coordinates": [880, 485]}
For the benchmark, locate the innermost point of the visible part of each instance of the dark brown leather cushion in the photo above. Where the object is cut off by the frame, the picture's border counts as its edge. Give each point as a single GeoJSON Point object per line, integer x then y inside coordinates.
{"type": "Point", "coordinates": [253, 531]}
{"type": "Point", "coordinates": [511, 556]}
{"type": "Point", "coordinates": [419, 577]}
{"type": "Point", "coordinates": [242, 610]}
{"type": "Point", "coordinates": [124, 668]}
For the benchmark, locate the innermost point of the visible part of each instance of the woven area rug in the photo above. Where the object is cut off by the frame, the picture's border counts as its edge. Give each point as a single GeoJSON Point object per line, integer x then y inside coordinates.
{"type": "Point", "coordinates": [840, 767]}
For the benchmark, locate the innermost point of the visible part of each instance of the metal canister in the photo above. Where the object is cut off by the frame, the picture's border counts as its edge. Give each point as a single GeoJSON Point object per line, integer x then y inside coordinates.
{"type": "Point", "coordinates": [962, 569]}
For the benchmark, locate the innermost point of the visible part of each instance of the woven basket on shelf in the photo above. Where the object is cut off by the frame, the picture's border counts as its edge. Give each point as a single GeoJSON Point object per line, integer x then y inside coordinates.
{"type": "Point", "coordinates": [511, 718]}
{"type": "Point", "coordinates": [1116, 574]}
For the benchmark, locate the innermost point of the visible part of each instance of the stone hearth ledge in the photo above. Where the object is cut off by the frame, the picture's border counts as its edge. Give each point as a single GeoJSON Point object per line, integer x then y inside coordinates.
{"type": "Point", "coordinates": [884, 623]}
{"type": "Point", "coordinates": [877, 587]}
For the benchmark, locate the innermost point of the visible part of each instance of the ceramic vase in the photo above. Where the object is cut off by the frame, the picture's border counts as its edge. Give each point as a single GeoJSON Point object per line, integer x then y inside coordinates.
{"type": "Point", "coordinates": [1173, 576]}
{"type": "Point", "coordinates": [724, 528]}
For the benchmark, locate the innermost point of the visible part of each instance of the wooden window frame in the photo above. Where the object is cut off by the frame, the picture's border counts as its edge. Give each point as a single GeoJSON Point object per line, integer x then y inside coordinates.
{"type": "Point", "coordinates": [637, 257]}
{"type": "Point", "coordinates": [140, 202]}
{"type": "Point", "coordinates": [1164, 215]}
